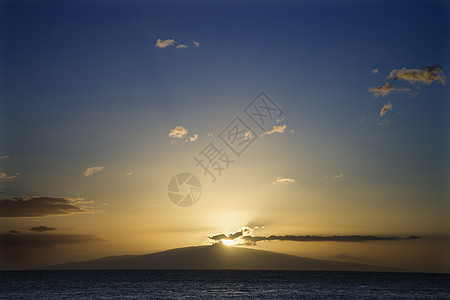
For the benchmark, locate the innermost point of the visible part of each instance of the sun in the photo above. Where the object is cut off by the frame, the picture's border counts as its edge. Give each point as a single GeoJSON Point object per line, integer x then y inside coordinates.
{"type": "Point", "coordinates": [227, 242]}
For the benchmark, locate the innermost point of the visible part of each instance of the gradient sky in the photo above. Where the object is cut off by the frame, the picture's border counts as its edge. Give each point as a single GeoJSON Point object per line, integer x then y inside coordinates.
{"type": "Point", "coordinates": [82, 85]}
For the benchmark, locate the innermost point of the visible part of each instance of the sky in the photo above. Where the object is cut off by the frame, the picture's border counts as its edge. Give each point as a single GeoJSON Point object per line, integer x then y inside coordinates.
{"type": "Point", "coordinates": [104, 103]}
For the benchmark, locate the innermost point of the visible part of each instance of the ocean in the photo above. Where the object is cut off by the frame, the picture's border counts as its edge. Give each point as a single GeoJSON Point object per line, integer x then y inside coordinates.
{"type": "Point", "coordinates": [216, 284]}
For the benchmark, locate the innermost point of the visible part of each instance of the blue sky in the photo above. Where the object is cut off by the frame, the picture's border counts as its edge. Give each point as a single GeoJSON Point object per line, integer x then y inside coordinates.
{"type": "Point", "coordinates": [82, 84]}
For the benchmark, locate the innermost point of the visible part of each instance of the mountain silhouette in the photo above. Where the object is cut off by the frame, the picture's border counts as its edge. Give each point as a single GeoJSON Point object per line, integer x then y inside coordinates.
{"type": "Point", "coordinates": [217, 256]}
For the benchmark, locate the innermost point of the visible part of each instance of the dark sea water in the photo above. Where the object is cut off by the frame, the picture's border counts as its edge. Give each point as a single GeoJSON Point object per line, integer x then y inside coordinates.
{"type": "Point", "coordinates": [165, 284]}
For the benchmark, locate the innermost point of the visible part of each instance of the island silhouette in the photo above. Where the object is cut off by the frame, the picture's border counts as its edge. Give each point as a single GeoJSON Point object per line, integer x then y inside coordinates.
{"type": "Point", "coordinates": [217, 256]}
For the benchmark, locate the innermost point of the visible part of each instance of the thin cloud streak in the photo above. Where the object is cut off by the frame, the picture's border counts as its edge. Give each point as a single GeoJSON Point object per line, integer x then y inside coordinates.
{"type": "Point", "coordinates": [42, 228]}
{"type": "Point", "coordinates": [245, 236]}
{"type": "Point", "coordinates": [16, 207]}
{"type": "Point", "coordinates": [276, 129]}
{"type": "Point", "coordinates": [284, 180]}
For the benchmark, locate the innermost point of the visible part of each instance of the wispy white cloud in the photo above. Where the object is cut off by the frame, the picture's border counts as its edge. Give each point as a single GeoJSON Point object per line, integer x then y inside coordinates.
{"type": "Point", "coordinates": [196, 44]}
{"type": "Point", "coordinates": [375, 71]}
{"type": "Point", "coordinates": [382, 90]}
{"type": "Point", "coordinates": [385, 122]}
{"type": "Point", "coordinates": [5, 176]}
{"type": "Point", "coordinates": [164, 43]}
{"type": "Point", "coordinates": [284, 180]}
{"type": "Point", "coordinates": [181, 46]}
{"type": "Point", "coordinates": [178, 132]}
{"type": "Point", "coordinates": [385, 108]}
{"type": "Point", "coordinates": [426, 75]}
{"type": "Point", "coordinates": [339, 176]}
{"type": "Point", "coordinates": [92, 170]}
{"type": "Point", "coordinates": [276, 129]}
{"type": "Point", "coordinates": [193, 138]}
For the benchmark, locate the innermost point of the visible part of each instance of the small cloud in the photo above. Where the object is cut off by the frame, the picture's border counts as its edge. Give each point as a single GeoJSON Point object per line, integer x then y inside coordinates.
{"type": "Point", "coordinates": [196, 44]}
{"type": "Point", "coordinates": [385, 122]}
{"type": "Point", "coordinates": [426, 75]}
{"type": "Point", "coordinates": [362, 119]}
{"type": "Point", "coordinates": [382, 90]}
{"type": "Point", "coordinates": [178, 132]}
{"type": "Point", "coordinates": [4, 156]}
{"type": "Point", "coordinates": [42, 229]}
{"type": "Point", "coordinates": [13, 231]}
{"type": "Point", "coordinates": [129, 173]}
{"type": "Point", "coordinates": [181, 46]}
{"type": "Point", "coordinates": [283, 180]}
{"type": "Point", "coordinates": [164, 43]}
{"type": "Point", "coordinates": [93, 170]}
{"type": "Point", "coordinates": [385, 108]}
{"type": "Point", "coordinates": [193, 138]}
{"type": "Point", "coordinates": [375, 71]}
{"type": "Point", "coordinates": [339, 176]}
{"type": "Point", "coordinates": [276, 128]}
{"type": "Point", "coordinates": [8, 177]}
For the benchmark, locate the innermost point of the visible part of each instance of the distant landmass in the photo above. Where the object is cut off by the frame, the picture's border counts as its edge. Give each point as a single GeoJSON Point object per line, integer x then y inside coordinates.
{"type": "Point", "coordinates": [217, 256]}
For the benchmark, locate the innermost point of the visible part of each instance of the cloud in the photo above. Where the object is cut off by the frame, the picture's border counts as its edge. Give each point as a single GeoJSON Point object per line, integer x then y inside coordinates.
{"type": "Point", "coordinates": [339, 176]}
{"type": "Point", "coordinates": [13, 231]}
{"type": "Point", "coordinates": [385, 108]}
{"type": "Point", "coordinates": [8, 177]}
{"type": "Point", "coordinates": [129, 173]}
{"type": "Point", "coordinates": [382, 90]}
{"type": "Point", "coordinates": [245, 236]}
{"type": "Point", "coordinates": [276, 128]}
{"type": "Point", "coordinates": [178, 132]}
{"type": "Point", "coordinates": [385, 122]}
{"type": "Point", "coordinates": [181, 46]}
{"type": "Point", "coordinates": [196, 44]}
{"type": "Point", "coordinates": [164, 43]}
{"type": "Point", "coordinates": [283, 180]}
{"type": "Point", "coordinates": [426, 75]}
{"type": "Point", "coordinates": [252, 240]}
{"type": "Point", "coordinates": [4, 156]}
{"type": "Point", "coordinates": [93, 170]}
{"type": "Point", "coordinates": [375, 71]}
{"type": "Point", "coordinates": [39, 206]}
{"type": "Point", "coordinates": [193, 138]}
{"type": "Point", "coordinates": [243, 231]}
{"type": "Point", "coordinates": [42, 228]}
